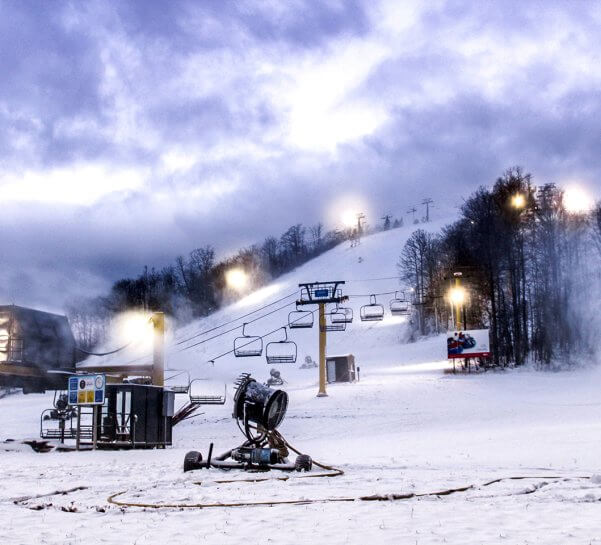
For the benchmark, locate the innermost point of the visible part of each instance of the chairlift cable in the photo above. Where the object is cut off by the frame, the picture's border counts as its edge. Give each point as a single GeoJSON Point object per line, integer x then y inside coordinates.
{"type": "Point", "coordinates": [374, 279]}
{"type": "Point", "coordinates": [88, 353]}
{"type": "Point", "coordinates": [217, 327]}
{"type": "Point", "coordinates": [257, 337]}
{"type": "Point", "coordinates": [235, 328]}
{"type": "Point", "coordinates": [370, 294]}
{"type": "Point", "coordinates": [250, 321]}
{"type": "Point", "coordinates": [233, 320]}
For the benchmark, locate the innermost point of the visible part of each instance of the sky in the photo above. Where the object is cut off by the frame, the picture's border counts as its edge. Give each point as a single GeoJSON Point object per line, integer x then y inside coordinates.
{"type": "Point", "coordinates": [133, 132]}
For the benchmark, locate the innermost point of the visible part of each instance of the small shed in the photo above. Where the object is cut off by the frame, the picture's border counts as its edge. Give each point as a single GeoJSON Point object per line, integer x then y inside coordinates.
{"type": "Point", "coordinates": [341, 368]}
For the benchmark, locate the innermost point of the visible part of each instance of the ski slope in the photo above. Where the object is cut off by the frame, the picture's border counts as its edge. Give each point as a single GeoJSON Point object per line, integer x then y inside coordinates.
{"type": "Point", "coordinates": [407, 426]}
{"type": "Point", "coordinates": [369, 268]}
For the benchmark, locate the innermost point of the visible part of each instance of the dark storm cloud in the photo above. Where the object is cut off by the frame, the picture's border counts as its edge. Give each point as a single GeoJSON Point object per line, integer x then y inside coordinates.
{"type": "Point", "coordinates": [207, 102]}
{"type": "Point", "coordinates": [49, 72]}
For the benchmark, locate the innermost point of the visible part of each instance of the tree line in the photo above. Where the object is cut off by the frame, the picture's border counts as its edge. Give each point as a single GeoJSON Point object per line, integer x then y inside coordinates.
{"type": "Point", "coordinates": [531, 269]}
{"type": "Point", "coordinates": [194, 285]}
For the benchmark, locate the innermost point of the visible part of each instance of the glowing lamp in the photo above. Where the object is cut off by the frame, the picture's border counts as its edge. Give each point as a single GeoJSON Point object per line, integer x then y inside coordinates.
{"type": "Point", "coordinates": [349, 218]}
{"type": "Point", "coordinates": [577, 201]}
{"type": "Point", "coordinates": [134, 326]}
{"type": "Point", "coordinates": [236, 279]}
{"type": "Point", "coordinates": [457, 296]}
{"type": "Point", "coordinates": [518, 201]}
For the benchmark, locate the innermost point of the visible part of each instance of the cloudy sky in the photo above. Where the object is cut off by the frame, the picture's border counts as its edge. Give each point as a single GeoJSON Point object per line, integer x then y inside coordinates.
{"type": "Point", "coordinates": [134, 131]}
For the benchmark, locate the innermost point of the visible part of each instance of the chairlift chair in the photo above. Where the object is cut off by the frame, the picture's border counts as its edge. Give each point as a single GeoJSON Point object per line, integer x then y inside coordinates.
{"type": "Point", "coordinates": [300, 319]}
{"type": "Point", "coordinates": [343, 315]}
{"type": "Point", "coordinates": [283, 351]}
{"type": "Point", "coordinates": [338, 325]}
{"type": "Point", "coordinates": [399, 306]}
{"type": "Point", "coordinates": [335, 321]}
{"type": "Point", "coordinates": [374, 312]}
{"type": "Point", "coordinates": [205, 399]}
{"type": "Point", "coordinates": [247, 345]}
{"type": "Point", "coordinates": [179, 388]}
{"type": "Point", "coordinates": [198, 397]}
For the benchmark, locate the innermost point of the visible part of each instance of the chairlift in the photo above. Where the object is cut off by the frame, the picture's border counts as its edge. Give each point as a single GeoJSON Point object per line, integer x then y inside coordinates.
{"type": "Point", "coordinates": [343, 315]}
{"type": "Point", "coordinates": [399, 306]}
{"type": "Point", "coordinates": [178, 388]}
{"type": "Point", "coordinates": [247, 345]}
{"type": "Point", "coordinates": [300, 319]}
{"type": "Point", "coordinates": [374, 312]}
{"type": "Point", "coordinates": [335, 321]}
{"type": "Point", "coordinates": [283, 351]}
{"type": "Point", "coordinates": [197, 397]}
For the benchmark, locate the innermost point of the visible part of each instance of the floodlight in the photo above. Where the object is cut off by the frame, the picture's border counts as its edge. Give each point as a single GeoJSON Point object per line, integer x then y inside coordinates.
{"type": "Point", "coordinates": [236, 279]}
{"type": "Point", "coordinates": [577, 201]}
{"type": "Point", "coordinates": [518, 201]}
{"type": "Point", "coordinates": [457, 295]}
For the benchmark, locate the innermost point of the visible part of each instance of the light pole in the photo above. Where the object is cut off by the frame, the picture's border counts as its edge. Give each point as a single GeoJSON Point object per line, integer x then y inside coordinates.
{"type": "Point", "coordinates": [457, 297]}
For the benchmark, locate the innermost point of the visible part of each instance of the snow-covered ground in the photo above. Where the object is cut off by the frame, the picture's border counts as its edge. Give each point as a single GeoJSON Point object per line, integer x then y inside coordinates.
{"type": "Point", "coordinates": [407, 427]}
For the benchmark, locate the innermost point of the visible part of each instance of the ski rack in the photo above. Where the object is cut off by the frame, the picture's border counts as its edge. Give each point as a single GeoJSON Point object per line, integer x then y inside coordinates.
{"type": "Point", "coordinates": [300, 319]}
{"type": "Point", "coordinates": [273, 353]}
{"type": "Point", "coordinates": [374, 312]}
{"type": "Point", "coordinates": [399, 306]}
{"type": "Point", "coordinates": [253, 345]}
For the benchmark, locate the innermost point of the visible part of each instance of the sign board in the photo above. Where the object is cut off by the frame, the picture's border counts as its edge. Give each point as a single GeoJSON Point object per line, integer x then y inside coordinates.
{"type": "Point", "coordinates": [322, 292]}
{"type": "Point", "coordinates": [473, 343]}
{"type": "Point", "coordinates": [87, 389]}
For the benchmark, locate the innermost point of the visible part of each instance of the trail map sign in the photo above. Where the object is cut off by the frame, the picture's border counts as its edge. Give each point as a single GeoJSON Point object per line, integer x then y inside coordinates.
{"type": "Point", "coordinates": [87, 389]}
{"type": "Point", "coordinates": [474, 343]}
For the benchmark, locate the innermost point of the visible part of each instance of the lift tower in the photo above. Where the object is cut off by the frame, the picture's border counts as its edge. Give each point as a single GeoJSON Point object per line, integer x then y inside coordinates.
{"type": "Point", "coordinates": [321, 294]}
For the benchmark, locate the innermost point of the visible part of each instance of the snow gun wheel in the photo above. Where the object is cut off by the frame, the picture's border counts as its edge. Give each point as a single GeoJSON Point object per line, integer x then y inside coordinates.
{"type": "Point", "coordinates": [192, 461]}
{"type": "Point", "coordinates": [303, 462]}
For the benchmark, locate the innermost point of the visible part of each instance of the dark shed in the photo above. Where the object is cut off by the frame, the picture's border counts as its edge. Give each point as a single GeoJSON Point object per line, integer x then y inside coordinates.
{"type": "Point", "coordinates": [35, 340]}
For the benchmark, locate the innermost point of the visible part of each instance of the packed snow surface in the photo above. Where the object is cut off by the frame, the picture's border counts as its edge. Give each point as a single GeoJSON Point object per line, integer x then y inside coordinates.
{"type": "Point", "coordinates": [408, 426]}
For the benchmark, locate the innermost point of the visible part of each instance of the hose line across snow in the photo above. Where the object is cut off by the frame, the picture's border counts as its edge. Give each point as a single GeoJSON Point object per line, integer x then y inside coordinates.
{"type": "Point", "coordinates": [332, 472]}
{"type": "Point", "coordinates": [376, 497]}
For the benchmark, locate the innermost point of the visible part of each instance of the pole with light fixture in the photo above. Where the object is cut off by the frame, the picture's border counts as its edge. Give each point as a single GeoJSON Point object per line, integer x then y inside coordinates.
{"type": "Point", "coordinates": [457, 296]}
{"type": "Point", "coordinates": [158, 348]}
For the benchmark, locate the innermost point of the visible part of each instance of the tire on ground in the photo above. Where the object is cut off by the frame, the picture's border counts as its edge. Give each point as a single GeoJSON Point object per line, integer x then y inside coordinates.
{"type": "Point", "coordinates": [192, 460]}
{"type": "Point", "coordinates": [303, 463]}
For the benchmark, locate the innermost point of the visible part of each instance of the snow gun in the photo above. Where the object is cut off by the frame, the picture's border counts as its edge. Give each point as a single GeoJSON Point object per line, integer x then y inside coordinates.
{"type": "Point", "coordinates": [258, 411]}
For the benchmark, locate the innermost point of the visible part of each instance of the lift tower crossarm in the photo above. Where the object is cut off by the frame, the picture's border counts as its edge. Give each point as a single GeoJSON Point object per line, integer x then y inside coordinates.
{"type": "Point", "coordinates": [317, 293]}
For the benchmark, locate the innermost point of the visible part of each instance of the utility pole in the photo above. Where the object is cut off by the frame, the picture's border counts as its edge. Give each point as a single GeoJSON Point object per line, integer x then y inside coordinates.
{"type": "Point", "coordinates": [412, 210]}
{"type": "Point", "coordinates": [427, 202]}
